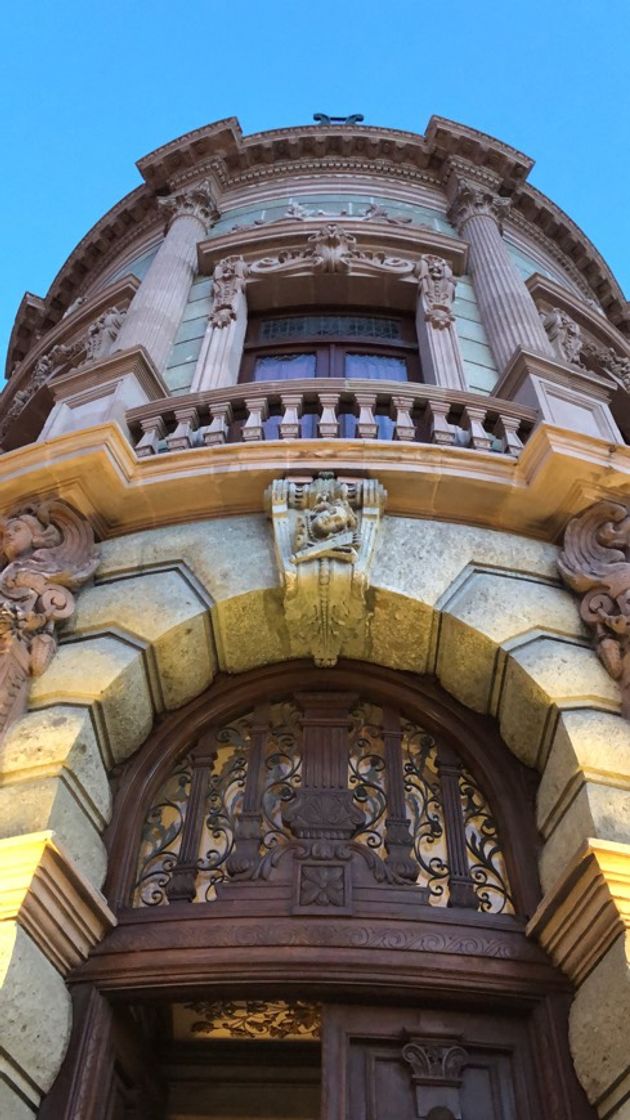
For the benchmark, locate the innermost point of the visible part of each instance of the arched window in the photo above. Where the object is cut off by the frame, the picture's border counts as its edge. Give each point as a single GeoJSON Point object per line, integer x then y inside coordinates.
{"type": "Point", "coordinates": [332, 798]}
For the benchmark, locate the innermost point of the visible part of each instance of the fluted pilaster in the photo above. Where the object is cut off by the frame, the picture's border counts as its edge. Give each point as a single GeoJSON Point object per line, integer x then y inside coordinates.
{"type": "Point", "coordinates": [507, 309]}
{"type": "Point", "coordinates": [157, 308]}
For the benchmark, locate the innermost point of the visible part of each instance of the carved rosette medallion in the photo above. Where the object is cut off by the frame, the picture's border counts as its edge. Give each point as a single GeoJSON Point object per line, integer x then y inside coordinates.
{"type": "Point", "coordinates": [325, 531]}
{"type": "Point", "coordinates": [595, 562]}
{"type": "Point", "coordinates": [47, 552]}
{"type": "Point", "coordinates": [473, 200]}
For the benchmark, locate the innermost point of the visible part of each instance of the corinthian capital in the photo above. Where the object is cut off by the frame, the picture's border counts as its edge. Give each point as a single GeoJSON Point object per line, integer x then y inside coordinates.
{"type": "Point", "coordinates": [196, 202]}
{"type": "Point", "coordinates": [471, 200]}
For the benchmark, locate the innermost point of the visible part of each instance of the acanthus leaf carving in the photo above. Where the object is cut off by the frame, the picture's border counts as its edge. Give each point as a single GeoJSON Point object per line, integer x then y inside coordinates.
{"type": "Point", "coordinates": [325, 532]}
{"type": "Point", "coordinates": [331, 249]}
{"type": "Point", "coordinates": [437, 1065]}
{"type": "Point", "coordinates": [595, 562]}
{"type": "Point", "coordinates": [473, 200]}
{"type": "Point", "coordinates": [194, 202]}
{"type": "Point", "coordinates": [102, 333]}
{"type": "Point", "coordinates": [437, 290]}
{"type": "Point", "coordinates": [47, 551]}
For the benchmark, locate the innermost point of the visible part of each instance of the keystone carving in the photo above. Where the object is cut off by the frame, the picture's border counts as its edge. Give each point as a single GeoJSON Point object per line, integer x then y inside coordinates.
{"type": "Point", "coordinates": [595, 562]}
{"type": "Point", "coordinates": [194, 202]}
{"type": "Point", "coordinates": [564, 335]}
{"type": "Point", "coordinates": [46, 551]}
{"type": "Point", "coordinates": [437, 291]}
{"type": "Point", "coordinates": [228, 281]}
{"type": "Point", "coordinates": [473, 200]}
{"type": "Point", "coordinates": [325, 531]}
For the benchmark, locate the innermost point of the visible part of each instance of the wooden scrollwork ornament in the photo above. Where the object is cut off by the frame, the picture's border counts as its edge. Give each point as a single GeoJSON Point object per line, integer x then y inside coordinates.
{"type": "Point", "coordinates": [595, 561]}
{"type": "Point", "coordinates": [47, 551]}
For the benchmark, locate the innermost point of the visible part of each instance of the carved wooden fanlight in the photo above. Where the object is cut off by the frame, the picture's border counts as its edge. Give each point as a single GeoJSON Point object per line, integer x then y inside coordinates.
{"type": "Point", "coordinates": [331, 801]}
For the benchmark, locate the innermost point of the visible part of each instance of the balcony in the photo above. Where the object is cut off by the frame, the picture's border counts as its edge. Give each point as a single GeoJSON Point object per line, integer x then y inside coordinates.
{"type": "Point", "coordinates": [330, 409]}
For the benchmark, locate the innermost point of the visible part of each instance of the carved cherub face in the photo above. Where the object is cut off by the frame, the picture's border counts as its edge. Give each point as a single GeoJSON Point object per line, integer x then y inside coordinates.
{"type": "Point", "coordinates": [17, 538]}
{"type": "Point", "coordinates": [331, 517]}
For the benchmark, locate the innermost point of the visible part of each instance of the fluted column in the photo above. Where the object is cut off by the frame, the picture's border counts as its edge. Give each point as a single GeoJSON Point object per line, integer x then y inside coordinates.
{"type": "Point", "coordinates": [507, 309]}
{"type": "Point", "coordinates": [157, 307]}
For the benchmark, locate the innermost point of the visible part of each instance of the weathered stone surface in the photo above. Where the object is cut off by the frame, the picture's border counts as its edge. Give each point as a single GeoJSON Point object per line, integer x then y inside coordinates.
{"type": "Point", "coordinates": [598, 1031]}
{"type": "Point", "coordinates": [399, 631]}
{"type": "Point", "coordinates": [111, 673]}
{"type": "Point", "coordinates": [35, 1011]}
{"type": "Point", "coordinates": [540, 677]}
{"type": "Point", "coordinates": [164, 611]}
{"type": "Point", "coordinates": [597, 810]}
{"type": "Point", "coordinates": [586, 742]}
{"type": "Point", "coordinates": [50, 803]}
{"type": "Point", "coordinates": [59, 741]}
{"type": "Point", "coordinates": [487, 610]}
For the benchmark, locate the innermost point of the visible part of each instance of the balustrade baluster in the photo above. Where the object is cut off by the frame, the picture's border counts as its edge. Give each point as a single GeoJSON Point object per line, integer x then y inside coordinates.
{"type": "Point", "coordinates": [291, 411]}
{"type": "Point", "coordinates": [187, 423]}
{"type": "Point", "coordinates": [367, 428]}
{"type": "Point", "coordinates": [257, 413]}
{"type": "Point", "coordinates": [479, 437]}
{"type": "Point", "coordinates": [404, 426]}
{"type": "Point", "coordinates": [218, 430]}
{"type": "Point", "coordinates": [507, 430]}
{"type": "Point", "coordinates": [328, 423]}
{"type": "Point", "coordinates": [153, 430]}
{"type": "Point", "coordinates": [441, 431]}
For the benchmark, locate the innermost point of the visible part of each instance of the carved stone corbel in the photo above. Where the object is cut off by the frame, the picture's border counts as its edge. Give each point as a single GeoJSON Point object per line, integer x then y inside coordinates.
{"type": "Point", "coordinates": [564, 335]}
{"type": "Point", "coordinates": [440, 353]}
{"type": "Point", "coordinates": [325, 532]}
{"type": "Point", "coordinates": [595, 562]}
{"type": "Point", "coordinates": [102, 334]}
{"type": "Point", "coordinates": [47, 551]}
{"type": "Point", "coordinates": [228, 282]}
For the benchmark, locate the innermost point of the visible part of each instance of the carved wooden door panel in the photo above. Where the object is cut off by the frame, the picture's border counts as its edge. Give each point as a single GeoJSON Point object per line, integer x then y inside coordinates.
{"type": "Point", "coordinates": [380, 1063]}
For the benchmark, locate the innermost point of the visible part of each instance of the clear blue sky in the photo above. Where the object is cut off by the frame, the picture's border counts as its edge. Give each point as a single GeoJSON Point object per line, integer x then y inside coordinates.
{"type": "Point", "coordinates": [88, 88]}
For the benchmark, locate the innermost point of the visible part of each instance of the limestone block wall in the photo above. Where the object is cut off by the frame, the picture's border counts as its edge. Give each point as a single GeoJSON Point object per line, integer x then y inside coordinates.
{"type": "Point", "coordinates": [482, 610]}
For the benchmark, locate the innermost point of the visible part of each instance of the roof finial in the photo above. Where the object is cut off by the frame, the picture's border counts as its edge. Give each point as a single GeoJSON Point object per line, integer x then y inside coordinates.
{"type": "Point", "coordinates": [353, 118]}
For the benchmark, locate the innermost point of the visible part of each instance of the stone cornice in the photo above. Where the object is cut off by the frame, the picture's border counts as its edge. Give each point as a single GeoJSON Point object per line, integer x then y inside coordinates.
{"type": "Point", "coordinates": [587, 909]}
{"type": "Point", "coordinates": [557, 475]}
{"type": "Point", "coordinates": [221, 153]}
{"type": "Point", "coordinates": [43, 890]}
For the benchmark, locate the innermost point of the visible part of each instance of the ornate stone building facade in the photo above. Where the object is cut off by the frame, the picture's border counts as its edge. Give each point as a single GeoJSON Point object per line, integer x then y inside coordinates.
{"type": "Point", "coordinates": [315, 645]}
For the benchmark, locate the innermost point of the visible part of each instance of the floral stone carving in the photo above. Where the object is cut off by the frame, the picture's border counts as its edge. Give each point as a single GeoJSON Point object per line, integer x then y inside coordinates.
{"type": "Point", "coordinates": [564, 335]}
{"type": "Point", "coordinates": [228, 281]}
{"type": "Point", "coordinates": [325, 531]}
{"type": "Point", "coordinates": [102, 334]}
{"type": "Point", "coordinates": [47, 552]}
{"type": "Point", "coordinates": [596, 562]}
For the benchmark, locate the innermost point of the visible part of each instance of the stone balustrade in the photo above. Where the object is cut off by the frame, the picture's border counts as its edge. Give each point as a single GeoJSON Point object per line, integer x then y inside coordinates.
{"type": "Point", "coordinates": [330, 409]}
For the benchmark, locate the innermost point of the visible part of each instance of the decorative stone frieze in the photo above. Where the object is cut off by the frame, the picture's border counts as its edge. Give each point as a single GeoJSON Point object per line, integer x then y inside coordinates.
{"type": "Point", "coordinates": [596, 562]}
{"type": "Point", "coordinates": [331, 249]}
{"type": "Point", "coordinates": [325, 531]}
{"type": "Point", "coordinates": [47, 552]}
{"type": "Point", "coordinates": [295, 212]}
{"type": "Point", "coordinates": [564, 335]}
{"type": "Point", "coordinates": [196, 202]}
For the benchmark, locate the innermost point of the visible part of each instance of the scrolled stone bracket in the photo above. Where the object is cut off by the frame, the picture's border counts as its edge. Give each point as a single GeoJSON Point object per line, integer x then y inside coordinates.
{"type": "Point", "coordinates": [325, 531]}
{"type": "Point", "coordinates": [47, 551]}
{"type": "Point", "coordinates": [595, 562]}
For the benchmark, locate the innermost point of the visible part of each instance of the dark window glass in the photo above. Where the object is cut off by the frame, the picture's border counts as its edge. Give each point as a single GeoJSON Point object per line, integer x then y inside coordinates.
{"type": "Point", "coordinates": [329, 326]}
{"type": "Point", "coordinates": [284, 367]}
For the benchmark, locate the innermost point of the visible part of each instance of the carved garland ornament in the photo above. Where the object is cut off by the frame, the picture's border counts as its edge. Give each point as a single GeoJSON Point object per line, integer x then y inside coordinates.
{"type": "Point", "coordinates": [47, 552]}
{"type": "Point", "coordinates": [325, 531]}
{"type": "Point", "coordinates": [596, 562]}
{"type": "Point", "coordinates": [333, 250]}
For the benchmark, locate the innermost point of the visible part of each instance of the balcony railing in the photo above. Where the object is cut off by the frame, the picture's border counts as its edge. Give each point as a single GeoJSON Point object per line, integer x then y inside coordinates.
{"type": "Point", "coordinates": [330, 409]}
